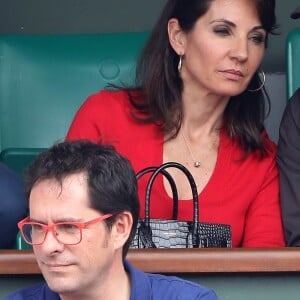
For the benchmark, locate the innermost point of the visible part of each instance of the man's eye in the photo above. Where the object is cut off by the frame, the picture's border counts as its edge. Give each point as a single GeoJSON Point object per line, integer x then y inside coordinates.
{"type": "Point", "coordinates": [68, 227]}
{"type": "Point", "coordinates": [37, 228]}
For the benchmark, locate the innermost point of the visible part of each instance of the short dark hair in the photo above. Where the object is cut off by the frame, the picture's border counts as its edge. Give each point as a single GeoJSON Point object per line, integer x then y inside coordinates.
{"type": "Point", "coordinates": [111, 181]}
{"type": "Point", "coordinates": [160, 85]}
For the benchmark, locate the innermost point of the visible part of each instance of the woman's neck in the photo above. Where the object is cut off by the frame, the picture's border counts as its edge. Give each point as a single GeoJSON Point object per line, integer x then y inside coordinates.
{"type": "Point", "coordinates": [202, 114]}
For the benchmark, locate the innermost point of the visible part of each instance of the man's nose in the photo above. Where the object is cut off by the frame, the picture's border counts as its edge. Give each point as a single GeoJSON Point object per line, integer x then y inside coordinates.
{"type": "Point", "coordinates": [51, 243]}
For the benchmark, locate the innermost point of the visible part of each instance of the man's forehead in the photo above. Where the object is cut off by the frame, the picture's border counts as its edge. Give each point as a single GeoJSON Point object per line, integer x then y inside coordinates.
{"type": "Point", "coordinates": [64, 182]}
{"type": "Point", "coordinates": [73, 186]}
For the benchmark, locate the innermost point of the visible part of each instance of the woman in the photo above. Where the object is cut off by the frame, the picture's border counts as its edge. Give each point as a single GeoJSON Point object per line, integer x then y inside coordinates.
{"type": "Point", "coordinates": [199, 102]}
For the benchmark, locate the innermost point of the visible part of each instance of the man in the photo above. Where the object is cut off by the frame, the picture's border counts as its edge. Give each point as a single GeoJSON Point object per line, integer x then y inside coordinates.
{"type": "Point", "coordinates": [288, 158]}
{"type": "Point", "coordinates": [12, 206]}
{"type": "Point", "coordinates": [83, 212]}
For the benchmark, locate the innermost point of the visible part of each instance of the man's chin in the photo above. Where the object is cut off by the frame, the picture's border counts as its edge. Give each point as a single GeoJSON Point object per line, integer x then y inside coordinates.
{"type": "Point", "coordinates": [58, 279]}
{"type": "Point", "coordinates": [61, 286]}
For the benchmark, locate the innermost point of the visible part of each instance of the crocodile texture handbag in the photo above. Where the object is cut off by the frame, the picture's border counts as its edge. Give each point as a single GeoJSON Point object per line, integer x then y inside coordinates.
{"type": "Point", "coordinates": [161, 233]}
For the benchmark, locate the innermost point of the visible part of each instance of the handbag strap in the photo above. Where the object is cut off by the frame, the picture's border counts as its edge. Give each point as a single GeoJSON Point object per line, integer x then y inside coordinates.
{"type": "Point", "coordinates": [171, 182]}
{"type": "Point", "coordinates": [191, 181]}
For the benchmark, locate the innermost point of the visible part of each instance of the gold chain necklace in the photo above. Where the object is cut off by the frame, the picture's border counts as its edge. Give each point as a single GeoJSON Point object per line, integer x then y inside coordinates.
{"type": "Point", "coordinates": [197, 163]}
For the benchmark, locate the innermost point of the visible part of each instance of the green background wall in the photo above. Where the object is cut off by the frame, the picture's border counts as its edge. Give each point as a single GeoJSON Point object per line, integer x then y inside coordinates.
{"type": "Point", "coordinates": [93, 16]}
{"type": "Point", "coordinates": [98, 16]}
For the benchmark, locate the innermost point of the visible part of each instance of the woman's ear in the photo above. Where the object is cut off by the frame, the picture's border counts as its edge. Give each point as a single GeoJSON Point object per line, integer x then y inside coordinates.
{"type": "Point", "coordinates": [121, 229]}
{"type": "Point", "coordinates": [176, 36]}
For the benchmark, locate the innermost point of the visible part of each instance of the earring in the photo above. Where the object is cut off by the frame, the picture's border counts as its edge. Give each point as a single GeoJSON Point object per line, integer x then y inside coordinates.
{"type": "Point", "coordinates": [263, 81]}
{"type": "Point", "coordinates": [179, 63]}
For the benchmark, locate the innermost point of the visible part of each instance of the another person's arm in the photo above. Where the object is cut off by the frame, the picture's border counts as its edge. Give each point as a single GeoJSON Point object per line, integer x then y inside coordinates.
{"type": "Point", "coordinates": [289, 165]}
{"type": "Point", "coordinates": [13, 207]}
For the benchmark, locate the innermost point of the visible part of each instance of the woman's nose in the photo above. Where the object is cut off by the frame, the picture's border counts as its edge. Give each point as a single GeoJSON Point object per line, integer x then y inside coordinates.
{"type": "Point", "coordinates": [239, 50]}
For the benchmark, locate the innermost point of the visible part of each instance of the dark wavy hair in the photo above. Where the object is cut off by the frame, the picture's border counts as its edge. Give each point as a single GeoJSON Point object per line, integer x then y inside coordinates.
{"type": "Point", "coordinates": [159, 97]}
{"type": "Point", "coordinates": [112, 186]}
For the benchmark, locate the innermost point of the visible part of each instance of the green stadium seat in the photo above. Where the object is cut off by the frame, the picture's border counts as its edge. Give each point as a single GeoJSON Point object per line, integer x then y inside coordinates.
{"type": "Point", "coordinates": [293, 61]}
{"type": "Point", "coordinates": [45, 78]}
{"type": "Point", "coordinates": [19, 158]}
{"type": "Point", "coordinates": [20, 243]}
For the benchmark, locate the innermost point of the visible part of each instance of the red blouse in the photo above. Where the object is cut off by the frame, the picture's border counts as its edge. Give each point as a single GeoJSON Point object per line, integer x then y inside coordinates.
{"type": "Point", "coordinates": [242, 193]}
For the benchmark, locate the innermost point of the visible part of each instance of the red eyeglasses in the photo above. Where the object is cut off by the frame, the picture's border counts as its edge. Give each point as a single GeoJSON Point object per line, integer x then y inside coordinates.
{"type": "Point", "coordinates": [68, 233]}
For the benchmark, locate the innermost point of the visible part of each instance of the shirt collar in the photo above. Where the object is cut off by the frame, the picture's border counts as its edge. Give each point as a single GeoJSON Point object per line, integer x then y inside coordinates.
{"type": "Point", "coordinates": [140, 283]}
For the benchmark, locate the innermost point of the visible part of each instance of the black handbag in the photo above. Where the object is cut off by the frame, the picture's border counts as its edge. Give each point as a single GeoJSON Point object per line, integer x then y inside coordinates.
{"type": "Point", "coordinates": [160, 233]}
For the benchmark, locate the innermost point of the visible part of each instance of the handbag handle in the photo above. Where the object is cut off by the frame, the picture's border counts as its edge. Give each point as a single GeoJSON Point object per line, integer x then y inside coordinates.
{"type": "Point", "coordinates": [171, 182]}
{"type": "Point", "coordinates": [160, 169]}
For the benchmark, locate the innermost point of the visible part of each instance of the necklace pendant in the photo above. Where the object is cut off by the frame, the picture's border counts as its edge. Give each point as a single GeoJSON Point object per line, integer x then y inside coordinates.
{"type": "Point", "coordinates": [197, 164]}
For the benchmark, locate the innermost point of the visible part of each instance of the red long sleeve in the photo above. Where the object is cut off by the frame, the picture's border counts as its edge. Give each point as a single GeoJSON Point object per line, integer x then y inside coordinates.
{"type": "Point", "coordinates": [242, 193]}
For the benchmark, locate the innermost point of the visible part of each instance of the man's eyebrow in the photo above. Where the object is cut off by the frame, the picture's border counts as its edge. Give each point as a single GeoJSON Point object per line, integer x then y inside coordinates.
{"type": "Point", "coordinates": [60, 220]}
{"type": "Point", "coordinates": [36, 221]}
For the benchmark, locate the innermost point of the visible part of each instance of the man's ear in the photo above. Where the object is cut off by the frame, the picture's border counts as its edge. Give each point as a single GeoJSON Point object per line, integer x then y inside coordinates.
{"type": "Point", "coordinates": [121, 229]}
{"type": "Point", "coordinates": [176, 36]}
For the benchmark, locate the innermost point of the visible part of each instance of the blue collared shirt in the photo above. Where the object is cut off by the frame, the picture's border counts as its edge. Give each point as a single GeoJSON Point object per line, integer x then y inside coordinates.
{"type": "Point", "coordinates": [144, 286]}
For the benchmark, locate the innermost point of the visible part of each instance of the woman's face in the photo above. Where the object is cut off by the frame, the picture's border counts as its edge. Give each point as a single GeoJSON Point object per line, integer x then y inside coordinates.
{"type": "Point", "coordinates": [224, 49]}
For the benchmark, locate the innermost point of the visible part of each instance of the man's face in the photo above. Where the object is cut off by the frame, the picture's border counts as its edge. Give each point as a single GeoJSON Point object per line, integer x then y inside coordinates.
{"type": "Point", "coordinates": [71, 269]}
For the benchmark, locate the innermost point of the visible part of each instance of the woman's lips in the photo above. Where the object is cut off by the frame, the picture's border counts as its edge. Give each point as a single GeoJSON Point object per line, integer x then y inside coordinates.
{"type": "Point", "coordinates": [232, 74]}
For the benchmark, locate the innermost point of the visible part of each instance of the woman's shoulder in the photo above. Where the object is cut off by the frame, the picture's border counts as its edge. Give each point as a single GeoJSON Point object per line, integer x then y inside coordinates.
{"type": "Point", "coordinates": [107, 98]}
{"type": "Point", "coordinates": [239, 154]}
{"type": "Point", "coordinates": [105, 104]}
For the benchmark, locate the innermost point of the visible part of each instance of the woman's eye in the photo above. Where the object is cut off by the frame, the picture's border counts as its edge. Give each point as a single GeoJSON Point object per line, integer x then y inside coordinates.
{"type": "Point", "coordinates": [258, 39]}
{"type": "Point", "coordinates": [222, 31]}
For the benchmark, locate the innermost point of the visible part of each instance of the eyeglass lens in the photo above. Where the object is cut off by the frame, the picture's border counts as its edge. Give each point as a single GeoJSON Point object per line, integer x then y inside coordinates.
{"type": "Point", "coordinates": [65, 233]}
